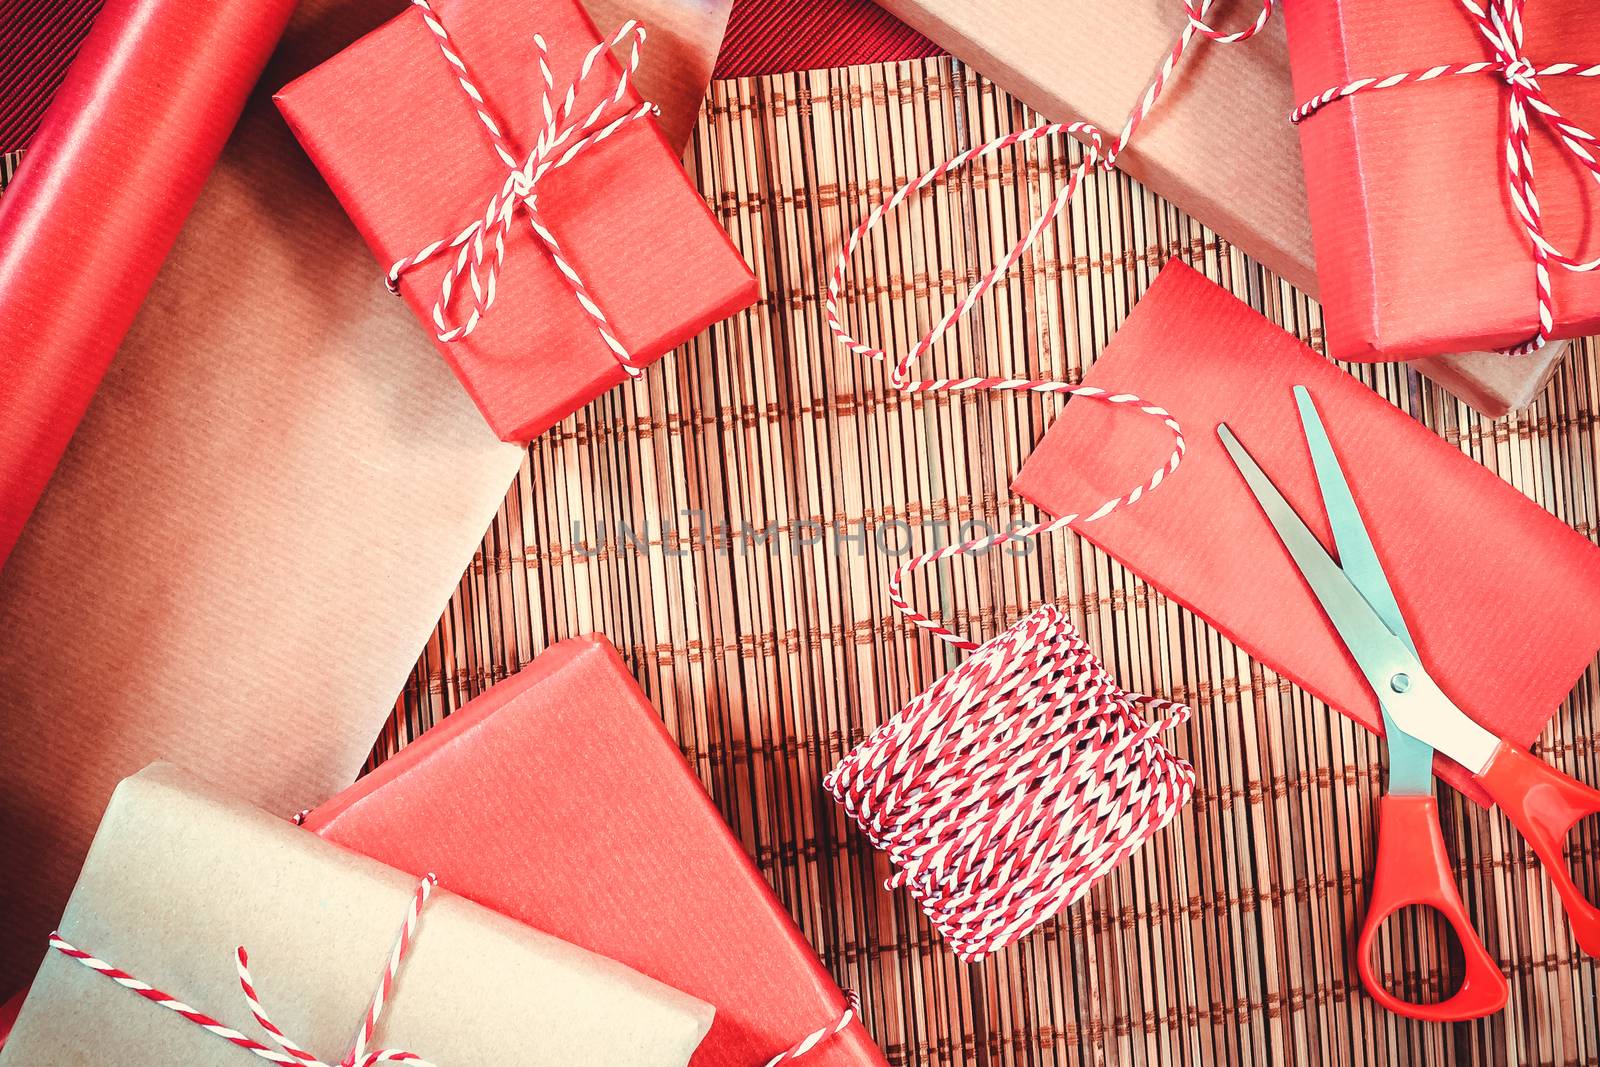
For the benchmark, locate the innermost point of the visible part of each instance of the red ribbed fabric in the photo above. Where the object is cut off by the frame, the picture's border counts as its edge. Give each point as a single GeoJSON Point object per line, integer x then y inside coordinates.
{"type": "Point", "coordinates": [773, 36]}
{"type": "Point", "coordinates": [38, 40]}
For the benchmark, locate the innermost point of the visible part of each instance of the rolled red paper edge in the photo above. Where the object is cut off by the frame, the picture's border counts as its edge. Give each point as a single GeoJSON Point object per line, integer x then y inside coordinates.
{"type": "Point", "coordinates": [8, 1015]}
{"type": "Point", "coordinates": [106, 185]}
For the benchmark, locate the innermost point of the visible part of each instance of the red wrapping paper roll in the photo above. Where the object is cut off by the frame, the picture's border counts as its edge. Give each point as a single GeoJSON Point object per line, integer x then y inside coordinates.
{"type": "Point", "coordinates": [109, 179]}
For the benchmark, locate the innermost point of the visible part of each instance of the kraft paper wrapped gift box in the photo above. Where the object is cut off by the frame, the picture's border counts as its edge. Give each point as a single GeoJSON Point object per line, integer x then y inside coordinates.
{"type": "Point", "coordinates": [267, 505]}
{"type": "Point", "coordinates": [405, 149]}
{"type": "Point", "coordinates": [1219, 144]}
{"type": "Point", "coordinates": [180, 875]}
{"type": "Point", "coordinates": [1498, 593]}
{"type": "Point", "coordinates": [1419, 247]}
{"type": "Point", "coordinates": [558, 798]}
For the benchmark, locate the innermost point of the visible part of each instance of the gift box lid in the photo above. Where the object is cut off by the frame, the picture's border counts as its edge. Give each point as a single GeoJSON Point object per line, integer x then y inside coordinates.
{"type": "Point", "coordinates": [558, 798]}
{"type": "Point", "coordinates": [179, 875]}
{"type": "Point", "coordinates": [1498, 593]}
{"type": "Point", "coordinates": [401, 143]}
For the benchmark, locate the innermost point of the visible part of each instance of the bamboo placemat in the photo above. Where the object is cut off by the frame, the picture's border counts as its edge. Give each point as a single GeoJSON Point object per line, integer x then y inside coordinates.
{"type": "Point", "coordinates": [729, 521]}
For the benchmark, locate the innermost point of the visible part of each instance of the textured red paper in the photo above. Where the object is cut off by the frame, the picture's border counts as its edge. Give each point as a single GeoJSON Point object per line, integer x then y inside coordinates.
{"type": "Point", "coordinates": [1419, 249]}
{"type": "Point", "coordinates": [775, 36]}
{"type": "Point", "coordinates": [401, 146]}
{"type": "Point", "coordinates": [1499, 595]}
{"type": "Point", "coordinates": [558, 798]}
{"type": "Point", "coordinates": [111, 175]}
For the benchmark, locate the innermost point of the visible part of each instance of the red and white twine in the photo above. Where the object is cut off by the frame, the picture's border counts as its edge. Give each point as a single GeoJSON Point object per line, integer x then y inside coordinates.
{"type": "Point", "coordinates": [1024, 775]}
{"type": "Point", "coordinates": [816, 1037]}
{"type": "Point", "coordinates": [1004, 792]}
{"type": "Point", "coordinates": [286, 1051]}
{"type": "Point", "coordinates": [1097, 154]}
{"type": "Point", "coordinates": [480, 248]}
{"type": "Point", "coordinates": [1500, 24]}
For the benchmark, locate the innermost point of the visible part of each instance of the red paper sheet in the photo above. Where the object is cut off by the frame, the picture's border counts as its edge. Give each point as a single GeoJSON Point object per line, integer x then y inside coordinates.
{"type": "Point", "coordinates": [110, 177]}
{"type": "Point", "coordinates": [401, 145]}
{"type": "Point", "coordinates": [558, 798]}
{"type": "Point", "coordinates": [8, 1015]}
{"type": "Point", "coordinates": [1500, 596]}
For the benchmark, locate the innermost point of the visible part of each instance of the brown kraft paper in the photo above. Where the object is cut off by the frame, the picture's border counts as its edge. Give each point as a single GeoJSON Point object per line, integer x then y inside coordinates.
{"type": "Point", "coordinates": [269, 502]}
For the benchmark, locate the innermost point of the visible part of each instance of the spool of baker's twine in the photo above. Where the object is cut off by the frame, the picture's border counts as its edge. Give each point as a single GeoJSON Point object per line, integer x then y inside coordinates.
{"type": "Point", "coordinates": [1009, 788]}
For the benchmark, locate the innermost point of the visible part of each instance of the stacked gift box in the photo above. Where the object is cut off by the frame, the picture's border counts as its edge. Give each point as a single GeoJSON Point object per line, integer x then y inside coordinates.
{"type": "Point", "coordinates": [599, 890]}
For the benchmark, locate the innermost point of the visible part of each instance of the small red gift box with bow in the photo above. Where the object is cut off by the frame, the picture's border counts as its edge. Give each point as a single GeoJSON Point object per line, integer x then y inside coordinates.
{"type": "Point", "coordinates": [498, 161]}
{"type": "Point", "coordinates": [1451, 170]}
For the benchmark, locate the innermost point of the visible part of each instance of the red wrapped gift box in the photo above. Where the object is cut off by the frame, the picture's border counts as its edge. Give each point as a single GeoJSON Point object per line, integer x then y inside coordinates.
{"type": "Point", "coordinates": [1420, 249]}
{"type": "Point", "coordinates": [1499, 594]}
{"type": "Point", "coordinates": [402, 146]}
{"type": "Point", "coordinates": [559, 799]}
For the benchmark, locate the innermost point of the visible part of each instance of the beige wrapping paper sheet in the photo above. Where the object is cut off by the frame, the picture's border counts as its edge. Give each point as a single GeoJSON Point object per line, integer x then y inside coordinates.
{"type": "Point", "coordinates": [179, 875]}
{"type": "Point", "coordinates": [1218, 144]}
{"type": "Point", "coordinates": [269, 502]}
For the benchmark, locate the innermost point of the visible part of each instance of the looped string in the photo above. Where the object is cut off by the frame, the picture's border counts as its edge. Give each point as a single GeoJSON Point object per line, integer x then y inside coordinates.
{"type": "Point", "coordinates": [1097, 154]}
{"type": "Point", "coordinates": [287, 1052]}
{"type": "Point", "coordinates": [562, 139]}
{"type": "Point", "coordinates": [900, 378]}
{"type": "Point", "coordinates": [1024, 775]}
{"type": "Point", "coordinates": [1500, 24]}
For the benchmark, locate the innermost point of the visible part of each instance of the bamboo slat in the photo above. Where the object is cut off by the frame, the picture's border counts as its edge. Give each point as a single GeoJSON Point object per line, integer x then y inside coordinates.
{"type": "Point", "coordinates": [729, 520]}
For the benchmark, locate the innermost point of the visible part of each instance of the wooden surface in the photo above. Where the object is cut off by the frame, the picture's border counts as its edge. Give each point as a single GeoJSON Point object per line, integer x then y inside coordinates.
{"type": "Point", "coordinates": [729, 521]}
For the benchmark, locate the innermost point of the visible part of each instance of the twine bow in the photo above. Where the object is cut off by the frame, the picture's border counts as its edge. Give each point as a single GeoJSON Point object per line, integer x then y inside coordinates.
{"type": "Point", "coordinates": [1500, 24]}
{"type": "Point", "coordinates": [481, 247]}
{"type": "Point", "coordinates": [287, 1052]}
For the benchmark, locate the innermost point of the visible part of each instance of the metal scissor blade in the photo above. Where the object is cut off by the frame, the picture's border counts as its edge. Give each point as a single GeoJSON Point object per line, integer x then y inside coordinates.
{"type": "Point", "coordinates": [1357, 558]}
{"type": "Point", "coordinates": [1405, 689]}
{"type": "Point", "coordinates": [1377, 651]}
{"type": "Point", "coordinates": [1410, 759]}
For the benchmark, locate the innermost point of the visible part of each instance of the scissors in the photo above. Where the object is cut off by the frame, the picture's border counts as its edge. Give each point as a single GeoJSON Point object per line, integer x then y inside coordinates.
{"type": "Point", "coordinates": [1412, 866]}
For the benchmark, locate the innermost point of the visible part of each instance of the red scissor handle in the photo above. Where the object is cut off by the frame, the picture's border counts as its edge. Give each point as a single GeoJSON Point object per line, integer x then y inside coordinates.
{"type": "Point", "coordinates": [1414, 868]}
{"type": "Point", "coordinates": [1545, 805]}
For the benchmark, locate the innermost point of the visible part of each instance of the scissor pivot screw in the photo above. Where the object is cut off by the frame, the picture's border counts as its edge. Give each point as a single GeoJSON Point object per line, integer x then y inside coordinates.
{"type": "Point", "coordinates": [1400, 683]}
